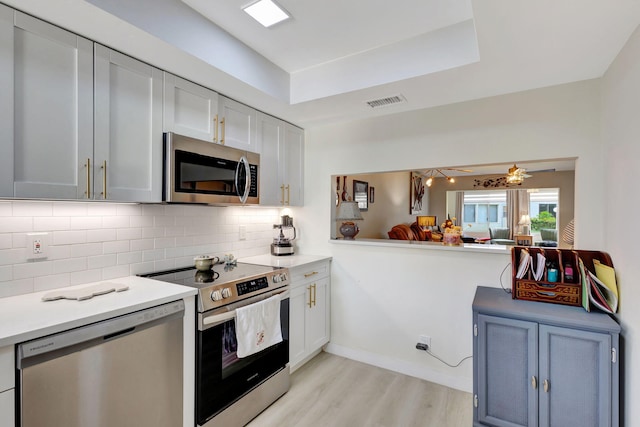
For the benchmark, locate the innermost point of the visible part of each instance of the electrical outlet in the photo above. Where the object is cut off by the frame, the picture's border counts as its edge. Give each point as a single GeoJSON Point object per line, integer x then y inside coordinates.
{"type": "Point", "coordinates": [243, 232]}
{"type": "Point", "coordinates": [425, 339]}
{"type": "Point", "coordinates": [37, 246]}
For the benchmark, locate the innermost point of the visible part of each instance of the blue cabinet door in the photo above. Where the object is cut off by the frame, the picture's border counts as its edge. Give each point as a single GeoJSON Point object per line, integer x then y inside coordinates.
{"type": "Point", "coordinates": [507, 372]}
{"type": "Point", "coordinates": [575, 375]}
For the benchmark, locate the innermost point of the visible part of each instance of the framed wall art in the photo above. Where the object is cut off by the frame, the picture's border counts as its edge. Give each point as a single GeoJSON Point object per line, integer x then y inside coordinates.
{"type": "Point", "coordinates": [361, 194]}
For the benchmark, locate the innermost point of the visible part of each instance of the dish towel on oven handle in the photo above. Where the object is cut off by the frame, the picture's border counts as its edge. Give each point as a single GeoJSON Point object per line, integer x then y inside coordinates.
{"type": "Point", "coordinates": [258, 326]}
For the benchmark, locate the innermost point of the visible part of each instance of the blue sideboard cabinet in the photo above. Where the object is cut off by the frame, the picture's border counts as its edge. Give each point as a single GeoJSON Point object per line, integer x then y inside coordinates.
{"type": "Point", "coordinates": [538, 364]}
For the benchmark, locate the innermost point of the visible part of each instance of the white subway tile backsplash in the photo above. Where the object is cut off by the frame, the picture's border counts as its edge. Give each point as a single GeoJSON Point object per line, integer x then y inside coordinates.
{"type": "Point", "coordinates": [101, 235]}
{"type": "Point", "coordinates": [70, 209]}
{"type": "Point", "coordinates": [54, 281]}
{"type": "Point", "coordinates": [12, 256]}
{"type": "Point", "coordinates": [94, 241]}
{"type": "Point", "coordinates": [6, 240]}
{"type": "Point", "coordinates": [51, 223]}
{"type": "Point", "coordinates": [69, 265]}
{"type": "Point", "coordinates": [115, 246]}
{"type": "Point", "coordinates": [129, 258]}
{"type": "Point", "coordinates": [6, 208]}
{"type": "Point", "coordinates": [32, 269]}
{"type": "Point", "coordinates": [69, 237]}
{"type": "Point", "coordinates": [85, 250]}
{"type": "Point", "coordinates": [141, 221]}
{"type": "Point", "coordinates": [167, 242]}
{"type": "Point", "coordinates": [129, 233]}
{"type": "Point", "coordinates": [16, 287]}
{"type": "Point", "coordinates": [102, 209]}
{"type": "Point", "coordinates": [141, 244]}
{"type": "Point", "coordinates": [86, 276]}
{"type": "Point", "coordinates": [85, 222]}
{"type": "Point", "coordinates": [115, 222]}
{"type": "Point", "coordinates": [6, 273]}
{"type": "Point", "coordinates": [32, 208]}
{"type": "Point", "coordinates": [16, 224]}
{"type": "Point", "coordinates": [101, 261]}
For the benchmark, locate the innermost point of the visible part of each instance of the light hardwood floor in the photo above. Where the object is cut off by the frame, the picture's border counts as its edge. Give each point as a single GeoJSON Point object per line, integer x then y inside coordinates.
{"type": "Point", "coordinates": [334, 391]}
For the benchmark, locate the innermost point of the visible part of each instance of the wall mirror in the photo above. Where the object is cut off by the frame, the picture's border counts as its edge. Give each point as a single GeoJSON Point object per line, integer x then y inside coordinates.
{"type": "Point", "coordinates": [476, 195]}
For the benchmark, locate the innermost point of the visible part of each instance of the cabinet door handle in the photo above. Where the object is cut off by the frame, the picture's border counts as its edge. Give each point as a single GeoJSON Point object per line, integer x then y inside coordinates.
{"type": "Point", "coordinates": [88, 166]}
{"type": "Point", "coordinates": [313, 273]}
{"type": "Point", "coordinates": [310, 302]}
{"type": "Point", "coordinates": [222, 133]}
{"type": "Point", "coordinates": [288, 194]}
{"type": "Point", "coordinates": [215, 128]}
{"type": "Point", "coordinates": [104, 179]}
{"type": "Point", "coordinates": [314, 294]}
{"type": "Point", "coordinates": [282, 199]}
{"type": "Point", "coordinates": [534, 382]}
{"type": "Point", "coordinates": [546, 385]}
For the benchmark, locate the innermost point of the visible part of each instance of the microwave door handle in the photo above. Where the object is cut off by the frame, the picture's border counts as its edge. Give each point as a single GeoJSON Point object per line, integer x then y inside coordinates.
{"type": "Point", "coordinates": [247, 184]}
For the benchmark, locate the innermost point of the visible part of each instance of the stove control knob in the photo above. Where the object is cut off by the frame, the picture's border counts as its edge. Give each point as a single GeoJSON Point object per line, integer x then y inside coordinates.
{"type": "Point", "coordinates": [226, 293]}
{"type": "Point", "coordinates": [216, 296]}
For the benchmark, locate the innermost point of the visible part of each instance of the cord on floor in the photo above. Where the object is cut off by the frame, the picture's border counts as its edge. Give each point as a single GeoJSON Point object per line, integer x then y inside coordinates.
{"type": "Point", "coordinates": [425, 347]}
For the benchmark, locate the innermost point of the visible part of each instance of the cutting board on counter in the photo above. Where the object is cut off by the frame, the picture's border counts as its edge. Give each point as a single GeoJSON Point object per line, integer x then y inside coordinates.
{"type": "Point", "coordinates": [86, 292]}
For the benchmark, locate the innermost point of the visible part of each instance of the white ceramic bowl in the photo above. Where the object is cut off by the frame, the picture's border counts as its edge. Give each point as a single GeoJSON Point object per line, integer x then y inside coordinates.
{"type": "Point", "coordinates": [205, 262]}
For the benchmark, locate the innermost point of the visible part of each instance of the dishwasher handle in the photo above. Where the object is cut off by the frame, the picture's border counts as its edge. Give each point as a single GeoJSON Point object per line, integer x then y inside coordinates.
{"type": "Point", "coordinates": [42, 349]}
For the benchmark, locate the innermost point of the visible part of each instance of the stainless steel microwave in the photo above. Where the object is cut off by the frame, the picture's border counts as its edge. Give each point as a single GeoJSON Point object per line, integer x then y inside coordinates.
{"type": "Point", "coordinates": [197, 171]}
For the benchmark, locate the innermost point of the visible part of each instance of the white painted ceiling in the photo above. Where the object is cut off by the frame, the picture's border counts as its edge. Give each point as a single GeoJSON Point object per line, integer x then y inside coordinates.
{"type": "Point", "coordinates": [334, 55]}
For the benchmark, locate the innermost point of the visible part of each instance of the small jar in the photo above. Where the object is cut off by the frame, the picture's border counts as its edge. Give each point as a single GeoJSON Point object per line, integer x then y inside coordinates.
{"type": "Point", "coordinates": [568, 273]}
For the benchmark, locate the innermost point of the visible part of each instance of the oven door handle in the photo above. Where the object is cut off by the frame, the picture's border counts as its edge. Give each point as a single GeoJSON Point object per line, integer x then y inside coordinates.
{"type": "Point", "coordinates": [215, 319]}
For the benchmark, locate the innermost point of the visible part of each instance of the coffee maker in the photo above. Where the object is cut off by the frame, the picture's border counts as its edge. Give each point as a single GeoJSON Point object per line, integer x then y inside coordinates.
{"type": "Point", "coordinates": [282, 242]}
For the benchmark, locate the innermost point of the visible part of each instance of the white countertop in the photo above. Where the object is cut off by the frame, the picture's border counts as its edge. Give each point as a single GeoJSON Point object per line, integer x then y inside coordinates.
{"type": "Point", "coordinates": [288, 261]}
{"type": "Point", "coordinates": [25, 317]}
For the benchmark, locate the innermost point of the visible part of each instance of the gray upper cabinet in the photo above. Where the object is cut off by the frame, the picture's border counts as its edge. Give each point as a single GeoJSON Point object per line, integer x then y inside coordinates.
{"type": "Point", "coordinates": [128, 128]}
{"type": "Point", "coordinates": [237, 125]}
{"type": "Point", "coordinates": [46, 125]}
{"type": "Point", "coordinates": [538, 364]}
{"type": "Point", "coordinates": [281, 160]}
{"type": "Point", "coordinates": [190, 109]}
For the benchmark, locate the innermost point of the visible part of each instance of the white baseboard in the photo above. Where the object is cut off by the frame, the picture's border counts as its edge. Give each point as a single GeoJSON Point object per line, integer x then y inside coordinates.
{"type": "Point", "coordinates": [403, 367]}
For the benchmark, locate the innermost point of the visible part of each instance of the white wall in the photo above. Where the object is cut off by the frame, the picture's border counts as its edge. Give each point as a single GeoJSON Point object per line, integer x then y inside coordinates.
{"type": "Point", "coordinates": [383, 298]}
{"type": "Point", "coordinates": [99, 241]}
{"type": "Point", "coordinates": [621, 133]}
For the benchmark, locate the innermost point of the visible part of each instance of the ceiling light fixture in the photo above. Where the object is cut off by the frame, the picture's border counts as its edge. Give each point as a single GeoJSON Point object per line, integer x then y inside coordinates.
{"type": "Point", "coordinates": [516, 175]}
{"type": "Point", "coordinates": [432, 173]}
{"type": "Point", "coordinates": [266, 12]}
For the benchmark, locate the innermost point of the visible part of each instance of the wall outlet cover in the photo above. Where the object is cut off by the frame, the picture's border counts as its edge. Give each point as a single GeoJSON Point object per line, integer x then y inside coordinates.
{"type": "Point", "coordinates": [37, 246]}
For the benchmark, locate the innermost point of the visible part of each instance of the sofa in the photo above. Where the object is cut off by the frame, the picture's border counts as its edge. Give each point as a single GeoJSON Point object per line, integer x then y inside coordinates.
{"type": "Point", "coordinates": [408, 232]}
{"type": "Point", "coordinates": [500, 236]}
{"type": "Point", "coordinates": [549, 238]}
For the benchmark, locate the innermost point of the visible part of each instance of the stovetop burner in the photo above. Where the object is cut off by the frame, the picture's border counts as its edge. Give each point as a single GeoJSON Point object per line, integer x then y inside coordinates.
{"type": "Point", "coordinates": [225, 283]}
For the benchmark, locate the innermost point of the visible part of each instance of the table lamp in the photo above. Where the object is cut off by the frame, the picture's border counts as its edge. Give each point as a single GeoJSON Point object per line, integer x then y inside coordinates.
{"type": "Point", "coordinates": [525, 222]}
{"type": "Point", "coordinates": [426, 222]}
{"type": "Point", "coordinates": [349, 212]}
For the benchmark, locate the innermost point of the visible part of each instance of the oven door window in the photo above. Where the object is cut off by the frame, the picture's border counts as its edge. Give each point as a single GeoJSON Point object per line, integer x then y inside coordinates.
{"type": "Point", "coordinates": [222, 377]}
{"type": "Point", "coordinates": [196, 173]}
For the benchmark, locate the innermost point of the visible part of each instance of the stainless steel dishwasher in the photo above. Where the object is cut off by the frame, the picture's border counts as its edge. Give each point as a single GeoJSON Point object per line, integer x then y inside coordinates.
{"type": "Point", "coordinates": [125, 371]}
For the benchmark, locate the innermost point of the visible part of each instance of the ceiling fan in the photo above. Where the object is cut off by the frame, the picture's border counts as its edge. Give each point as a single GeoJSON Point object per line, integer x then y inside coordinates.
{"type": "Point", "coordinates": [516, 175]}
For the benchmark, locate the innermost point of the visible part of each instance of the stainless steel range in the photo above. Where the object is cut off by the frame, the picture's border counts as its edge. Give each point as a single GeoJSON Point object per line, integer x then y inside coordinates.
{"type": "Point", "coordinates": [232, 390]}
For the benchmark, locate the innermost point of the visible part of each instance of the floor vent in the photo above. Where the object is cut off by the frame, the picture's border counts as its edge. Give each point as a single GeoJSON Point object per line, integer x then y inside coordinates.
{"type": "Point", "coordinates": [383, 102]}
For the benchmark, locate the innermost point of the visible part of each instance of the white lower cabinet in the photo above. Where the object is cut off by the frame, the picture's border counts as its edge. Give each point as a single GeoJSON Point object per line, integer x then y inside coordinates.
{"type": "Point", "coordinates": [309, 316]}
{"type": "Point", "coordinates": [7, 381]}
{"type": "Point", "coordinates": [7, 408]}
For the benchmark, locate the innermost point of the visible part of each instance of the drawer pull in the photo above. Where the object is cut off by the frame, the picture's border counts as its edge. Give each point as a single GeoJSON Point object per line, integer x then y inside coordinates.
{"type": "Point", "coordinates": [313, 273]}
{"type": "Point", "coordinates": [546, 386]}
{"type": "Point", "coordinates": [534, 382]}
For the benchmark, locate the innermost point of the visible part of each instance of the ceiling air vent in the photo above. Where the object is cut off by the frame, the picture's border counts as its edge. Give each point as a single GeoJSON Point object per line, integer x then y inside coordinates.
{"type": "Point", "coordinates": [383, 102]}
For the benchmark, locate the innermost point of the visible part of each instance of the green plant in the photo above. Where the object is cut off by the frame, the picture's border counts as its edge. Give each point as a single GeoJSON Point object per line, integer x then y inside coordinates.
{"type": "Point", "coordinates": [543, 220]}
